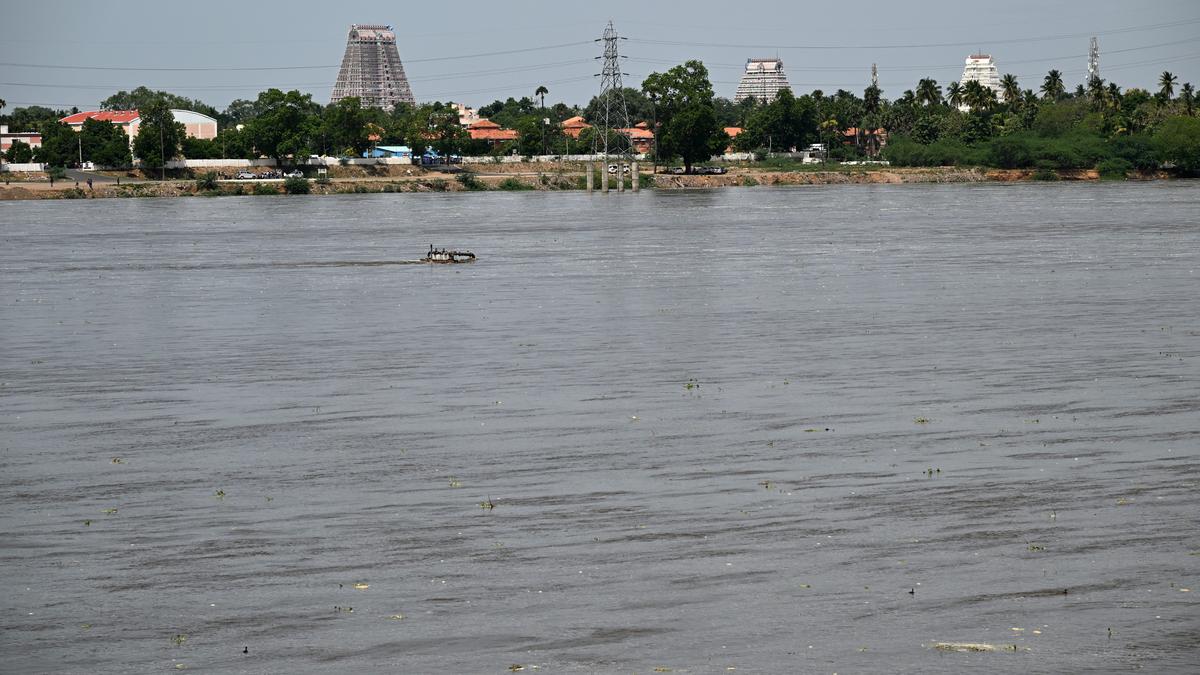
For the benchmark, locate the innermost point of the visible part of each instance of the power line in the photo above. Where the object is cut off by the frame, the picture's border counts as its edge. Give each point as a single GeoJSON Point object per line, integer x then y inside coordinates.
{"type": "Point", "coordinates": [973, 43]}
{"type": "Point", "coordinates": [208, 69]}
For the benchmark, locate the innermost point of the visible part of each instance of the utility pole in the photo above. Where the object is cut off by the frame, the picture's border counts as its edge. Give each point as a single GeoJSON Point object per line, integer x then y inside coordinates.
{"type": "Point", "coordinates": [613, 107]}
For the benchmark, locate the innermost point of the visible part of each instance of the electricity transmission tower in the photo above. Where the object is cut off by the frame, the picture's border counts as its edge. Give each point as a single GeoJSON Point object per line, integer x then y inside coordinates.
{"type": "Point", "coordinates": [874, 76]}
{"type": "Point", "coordinates": [613, 110]}
{"type": "Point", "coordinates": [1094, 61]}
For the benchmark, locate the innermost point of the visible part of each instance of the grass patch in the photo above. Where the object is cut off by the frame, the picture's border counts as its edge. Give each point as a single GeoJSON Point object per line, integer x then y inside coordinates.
{"type": "Point", "coordinates": [514, 185]}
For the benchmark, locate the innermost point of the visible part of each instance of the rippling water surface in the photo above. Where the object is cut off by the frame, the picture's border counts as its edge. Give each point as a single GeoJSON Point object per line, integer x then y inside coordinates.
{"type": "Point", "coordinates": [776, 430]}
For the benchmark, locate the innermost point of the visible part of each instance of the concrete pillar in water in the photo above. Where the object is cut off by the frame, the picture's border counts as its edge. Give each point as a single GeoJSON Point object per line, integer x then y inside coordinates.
{"type": "Point", "coordinates": [604, 177]}
{"type": "Point", "coordinates": [591, 176]}
{"type": "Point", "coordinates": [633, 171]}
{"type": "Point", "coordinates": [620, 176]}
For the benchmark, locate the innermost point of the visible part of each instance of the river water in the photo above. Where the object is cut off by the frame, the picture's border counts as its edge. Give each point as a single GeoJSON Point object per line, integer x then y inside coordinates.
{"type": "Point", "coordinates": [815, 429]}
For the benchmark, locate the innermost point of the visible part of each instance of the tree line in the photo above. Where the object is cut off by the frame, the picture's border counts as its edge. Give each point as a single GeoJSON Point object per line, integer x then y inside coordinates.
{"type": "Point", "coordinates": [959, 124]}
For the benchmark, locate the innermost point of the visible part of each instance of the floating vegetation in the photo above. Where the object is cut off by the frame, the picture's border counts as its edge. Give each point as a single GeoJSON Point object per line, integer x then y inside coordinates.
{"type": "Point", "coordinates": [219, 494]}
{"type": "Point", "coordinates": [516, 667]}
{"type": "Point", "coordinates": [86, 626]}
{"type": "Point", "coordinates": [455, 483]}
{"type": "Point", "coordinates": [361, 586]}
{"type": "Point", "coordinates": [964, 647]}
{"type": "Point", "coordinates": [662, 669]}
{"type": "Point", "coordinates": [691, 384]}
{"type": "Point", "coordinates": [1035, 547]}
{"type": "Point", "coordinates": [346, 610]}
{"type": "Point", "coordinates": [922, 420]}
{"type": "Point", "coordinates": [766, 484]}
{"type": "Point", "coordinates": [110, 512]}
{"type": "Point", "coordinates": [1124, 501]}
{"type": "Point", "coordinates": [179, 639]}
{"type": "Point", "coordinates": [117, 460]}
{"type": "Point", "coordinates": [487, 505]}
{"type": "Point", "coordinates": [87, 523]}
{"type": "Point", "coordinates": [805, 585]}
{"type": "Point", "coordinates": [815, 429]}
{"type": "Point", "coordinates": [396, 617]}
{"type": "Point", "coordinates": [931, 471]}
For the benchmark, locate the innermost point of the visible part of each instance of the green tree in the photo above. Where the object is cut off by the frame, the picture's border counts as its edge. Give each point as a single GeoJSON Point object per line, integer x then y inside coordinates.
{"type": "Point", "coordinates": [104, 143]}
{"type": "Point", "coordinates": [60, 146]}
{"type": "Point", "coordinates": [928, 92]}
{"type": "Point", "coordinates": [1178, 141]}
{"type": "Point", "coordinates": [683, 103]}
{"type": "Point", "coordinates": [1011, 89]}
{"type": "Point", "coordinates": [785, 123]}
{"type": "Point", "coordinates": [1187, 96]}
{"type": "Point", "coordinates": [19, 152]}
{"type": "Point", "coordinates": [954, 94]}
{"type": "Point", "coordinates": [285, 125]}
{"type": "Point", "coordinates": [639, 105]}
{"type": "Point", "coordinates": [1166, 86]}
{"type": "Point", "coordinates": [159, 135]}
{"type": "Point", "coordinates": [142, 97]}
{"type": "Point", "coordinates": [541, 92]}
{"type": "Point", "coordinates": [344, 127]}
{"type": "Point", "coordinates": [1052, 86]}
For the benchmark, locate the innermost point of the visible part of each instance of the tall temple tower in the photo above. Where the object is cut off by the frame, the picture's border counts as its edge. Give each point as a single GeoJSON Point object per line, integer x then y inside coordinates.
{"type": "Point", "coordinates": [371, 69]}
{"type": "Point", "coordinates": [763, 79]}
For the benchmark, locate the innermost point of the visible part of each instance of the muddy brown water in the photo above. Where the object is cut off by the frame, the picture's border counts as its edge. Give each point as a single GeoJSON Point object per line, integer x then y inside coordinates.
{"type": "Point", "coordinates": [779, 430]}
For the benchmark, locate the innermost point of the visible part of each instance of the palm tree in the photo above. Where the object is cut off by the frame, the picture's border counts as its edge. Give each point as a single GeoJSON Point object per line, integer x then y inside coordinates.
{"type": "Point", "coordinates": [541, 93]}
{"type": "Point", "coordinates": [1012, 90]}
{"type": "Point", "coordinates": [928, 91]}
{"type": "Point", "coordinates": [1096, 91]}
{"type": "Point", "coordinates": [1114, 95]}
{"type": "Point", "coordinates": [1052, 87]}
{"type": "Point", "coordinates": [1186, 94]}
{"type": "Point", "coordinates": [1166, 84]}
{"type": "Point", "coordinates": [953, 94]}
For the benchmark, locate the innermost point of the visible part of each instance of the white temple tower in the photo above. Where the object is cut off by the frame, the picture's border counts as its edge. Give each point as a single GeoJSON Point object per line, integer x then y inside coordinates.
{"type": "Point", "coordinates": [764, 79]}
{"type": "Point", "coordinates": [371, 69]}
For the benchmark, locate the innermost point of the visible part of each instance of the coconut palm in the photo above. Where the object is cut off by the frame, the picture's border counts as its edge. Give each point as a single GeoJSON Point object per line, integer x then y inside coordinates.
{"type": "Point", "coordinates": [1166, 85]}
{"type": "Point", "coordinates": [1096, 91]}
{"type": "Point", "coordinates": [1012, 90]}
{"type": "Point", "coordinates": [928, 92]}
{"type": "Point", "coordinates": [1052, 87]}
{"type": "Point", "coordinates": [1029, 98]}
{"type": "Point", "coordinates": [1113, 95]}
{"type": "Point", "coordinates": [1188, 96]}
{"type": "Point", "coordinates": [541, 93]}
{"type": "Point", "coordinates": [954, 94]}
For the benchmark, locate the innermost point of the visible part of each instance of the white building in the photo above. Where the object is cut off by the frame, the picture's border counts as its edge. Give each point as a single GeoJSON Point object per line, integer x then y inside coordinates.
{"type": "Point", "coordinates": [982, 69]}
{"type": "Point", "coordinates": [764, 78]}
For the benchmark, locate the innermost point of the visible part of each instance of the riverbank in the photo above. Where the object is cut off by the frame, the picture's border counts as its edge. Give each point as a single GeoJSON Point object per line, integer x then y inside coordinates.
{"type": "Point", "coordinates": [516, 177]}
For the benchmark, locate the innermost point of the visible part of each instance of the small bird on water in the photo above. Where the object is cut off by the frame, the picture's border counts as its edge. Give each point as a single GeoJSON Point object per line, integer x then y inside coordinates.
{"type": "Point", "coordinates": [246, 650]}
{"type": "Point", "coordinates": [912, 591]}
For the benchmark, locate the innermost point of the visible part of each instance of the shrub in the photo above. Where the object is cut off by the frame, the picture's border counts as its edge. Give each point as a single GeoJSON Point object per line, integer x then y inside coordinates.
{"type": "Point", "coordinates": [207, 181]}
{"type": "Point", "coordinates": [1114, 169]}
{"type": "Point", "coordinates": [514, 185]}
{"type": "Point", "coordinates": [749, 181]}
{"type": "Point", "coordinates": [1010, 152]}
{"type": "Point", "coordinates": [295, 186]}
{"type": "Point", "coordinates": [265, 189]}
{"type": "Point", "coordinates": [470, 181]}
{"type": "Point", "coordinates": [323, 180]}
{"type": "Point", "coordinates": [1045, 171]}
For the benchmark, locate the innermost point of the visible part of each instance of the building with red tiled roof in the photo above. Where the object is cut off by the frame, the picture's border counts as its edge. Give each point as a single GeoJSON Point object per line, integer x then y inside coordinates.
{"type": "Point", "coordinates": [487, 130]}
{"type": "Point", "coordinates": [195, 124]}
{"type": "Point", "coordinates": [574, 126]}
{"type": "Point", "coordinates": [640, 137]}
{"type": "Point", "coordinates": [870, 141]}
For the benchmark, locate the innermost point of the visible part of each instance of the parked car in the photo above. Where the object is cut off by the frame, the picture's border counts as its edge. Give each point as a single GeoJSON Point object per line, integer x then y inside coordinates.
{"type": "Point", "coordinates": [612, 168]}
{"type": "Point", "coordinates": [294, 173]}
{"type": "Point", "coordinates": [677, 170]}
{"type": "Point", "coordinates": [245, 175]}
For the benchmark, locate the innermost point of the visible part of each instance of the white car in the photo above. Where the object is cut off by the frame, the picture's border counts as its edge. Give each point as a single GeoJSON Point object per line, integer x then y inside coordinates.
{"type": "Point", "coordinates": [246, 175]}
{"type": "Point", "coordinates": [294, 173]}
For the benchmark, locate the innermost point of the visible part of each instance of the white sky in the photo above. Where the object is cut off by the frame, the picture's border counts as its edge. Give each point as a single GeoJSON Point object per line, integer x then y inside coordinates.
{"type": "Point", "coordinates": [824, 45]}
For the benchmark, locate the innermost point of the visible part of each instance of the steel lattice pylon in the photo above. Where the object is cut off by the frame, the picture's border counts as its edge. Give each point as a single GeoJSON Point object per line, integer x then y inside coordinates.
{"type": "Point", "coordinates": [612, 100]}
{"type": "Point", "coordinates": [1094, 61]}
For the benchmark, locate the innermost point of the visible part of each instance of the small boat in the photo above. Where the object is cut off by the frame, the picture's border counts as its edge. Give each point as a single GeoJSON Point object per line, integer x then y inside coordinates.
{"type": "Point", "coordinates": [441, 255]}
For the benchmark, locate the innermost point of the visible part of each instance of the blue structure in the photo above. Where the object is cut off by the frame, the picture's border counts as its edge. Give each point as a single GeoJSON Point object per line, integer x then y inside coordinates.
{"type": "Point", "coordinates": [402, 151]}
